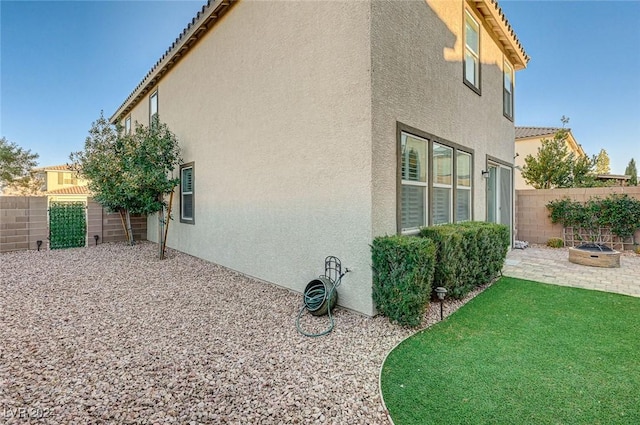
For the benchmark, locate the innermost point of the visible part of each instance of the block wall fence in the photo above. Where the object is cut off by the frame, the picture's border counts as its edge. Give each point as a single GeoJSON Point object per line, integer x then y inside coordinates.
{"type": "Point", "coordinates": [532, 217]}
{"type": "Point", "coordinates": [24, 221]}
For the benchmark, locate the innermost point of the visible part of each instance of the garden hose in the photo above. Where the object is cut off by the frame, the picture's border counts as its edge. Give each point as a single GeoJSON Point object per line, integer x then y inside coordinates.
{"type": "Point", "coordinates": [313, 299]}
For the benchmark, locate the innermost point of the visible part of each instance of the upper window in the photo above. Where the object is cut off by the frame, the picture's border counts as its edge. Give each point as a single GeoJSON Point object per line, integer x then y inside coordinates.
{"type": "Point", "coordinates": [436, 183]}
{"type": "Point", "coordinates": [186, 194]}
{"type": "Point", "coordinates": [471, 52]}
{"type": "Point", "coordinates": [127, 125]}
{"type": "Point", "coordinates": [153, 106]}
{"type": "Point", "coordinates": [507, 94]}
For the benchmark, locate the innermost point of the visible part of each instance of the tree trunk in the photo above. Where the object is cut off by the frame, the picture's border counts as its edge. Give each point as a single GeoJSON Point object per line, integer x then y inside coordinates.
{"type": "Point", "coordinates": [160, 230]}
{"type": "Point", "coordinates": [124, 225]}
{"type": "Point", "coordinates": [166, 227]}
{"type": "Point", "coordinates": [130, 230]}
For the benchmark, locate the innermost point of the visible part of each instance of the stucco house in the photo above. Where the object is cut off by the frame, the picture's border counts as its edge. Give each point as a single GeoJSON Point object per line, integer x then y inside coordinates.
{"type": "Point", "coordinates": [529, 139]}
{"type": "Point", "coordinates": [62, 184]}
{"type": "Point", "coordinates": [309, 128]}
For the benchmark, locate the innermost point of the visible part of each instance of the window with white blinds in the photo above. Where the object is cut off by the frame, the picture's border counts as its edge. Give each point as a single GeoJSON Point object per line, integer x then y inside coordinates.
{"type": "Point", "coordinates": [415, 161]}
{"type": "Point", "coordinates": [463, 186]}
{"type": "Point", "coordinates": [436, 182]}
{"type": "Point", "coordinates": [186, 194]}
{"type": "Point", "coordinates": [442, 184]}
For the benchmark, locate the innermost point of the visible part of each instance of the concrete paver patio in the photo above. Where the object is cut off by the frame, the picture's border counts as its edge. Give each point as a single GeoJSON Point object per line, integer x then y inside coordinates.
{"type": "Point", "coordinates": [553, 266]}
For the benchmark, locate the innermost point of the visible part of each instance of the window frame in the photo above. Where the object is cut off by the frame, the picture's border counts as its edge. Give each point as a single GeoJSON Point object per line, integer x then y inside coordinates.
{"type": "Point", "coordinates": [417, 183]}
{"type": "Point", "coordinates": [192, 219]}
{"type": "Point", "coordinates": [430, 139]}
{"type": "Point", "coordinates": [476, 87]}
{"type": "Point", "coordinates": [152, 96]}
{"type": "Point", "coordinates": [127, 125]}
{"type": "Point", "coordinates": [509, 114]}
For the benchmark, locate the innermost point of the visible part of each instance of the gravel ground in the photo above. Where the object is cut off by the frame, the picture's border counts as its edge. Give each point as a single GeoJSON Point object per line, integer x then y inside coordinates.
{"type": "Point", "coordinates": [110, 334]}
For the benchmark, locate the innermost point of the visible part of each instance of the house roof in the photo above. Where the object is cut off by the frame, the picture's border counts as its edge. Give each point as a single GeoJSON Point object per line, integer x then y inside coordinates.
{"type": "Point", "coordinates": [496, 19]}
{"type": "Point", "coordinates": [214, 9]}
{"type": "Point", "coordinates": [63, 167]}
{"type": "Point", "coordinates": [71, 190]}
{"type": "Point", "coordinates": [523, 133]}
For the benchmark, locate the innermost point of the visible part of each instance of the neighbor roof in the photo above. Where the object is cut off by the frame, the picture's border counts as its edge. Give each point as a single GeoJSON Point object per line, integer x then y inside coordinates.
{"type": "Point", "coordinates": [524, 132]}
{"type": "Point", "coordinates": [531, 132]}
{"type": "Point", "coordinates": [63, 167]}
{"type": "Point", "coordinates": [214, 9]}
{"type": "Point", "coordinates": [72, 190]}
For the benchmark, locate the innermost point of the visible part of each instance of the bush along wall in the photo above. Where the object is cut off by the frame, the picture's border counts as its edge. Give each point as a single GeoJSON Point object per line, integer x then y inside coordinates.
{"type": "Point", "coordinates": [403, 269]}
{"type": "Point", "coordinates": [468, 254]}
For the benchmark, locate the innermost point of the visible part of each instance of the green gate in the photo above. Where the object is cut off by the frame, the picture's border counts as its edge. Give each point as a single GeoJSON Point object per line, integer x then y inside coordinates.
{"type": "Point", "coordinates": [67, 225]}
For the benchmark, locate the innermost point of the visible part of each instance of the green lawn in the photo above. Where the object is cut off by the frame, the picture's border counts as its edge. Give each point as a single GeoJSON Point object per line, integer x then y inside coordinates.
{"type": "Point", "coordinates": [522, 352]}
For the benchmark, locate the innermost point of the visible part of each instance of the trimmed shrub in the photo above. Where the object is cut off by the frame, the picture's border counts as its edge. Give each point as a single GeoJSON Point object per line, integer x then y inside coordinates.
{"type": "Point", "coordinates": [468, 254]}
{"type": "Point", "coordinates": [555, 243]}
{"type": "Point", "coordinates": [402, 276]}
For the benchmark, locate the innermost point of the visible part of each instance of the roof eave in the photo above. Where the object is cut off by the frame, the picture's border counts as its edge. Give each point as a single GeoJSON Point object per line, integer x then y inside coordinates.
{"type": "Point", "coordinates": [495, 17]}
{"type": "Point", "coordinates": [200, 25]}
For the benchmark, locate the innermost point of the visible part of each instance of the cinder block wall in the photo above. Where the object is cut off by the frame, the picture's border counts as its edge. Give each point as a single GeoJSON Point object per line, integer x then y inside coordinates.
{"type": "Point", "coordinates": [532, 217]}
{"type": "Point", "coordinates": [24, 221]}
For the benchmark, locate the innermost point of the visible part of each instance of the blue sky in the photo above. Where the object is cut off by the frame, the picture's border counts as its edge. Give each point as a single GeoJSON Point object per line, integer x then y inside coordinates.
{"type": "Point", "coordinates": [61, 62]}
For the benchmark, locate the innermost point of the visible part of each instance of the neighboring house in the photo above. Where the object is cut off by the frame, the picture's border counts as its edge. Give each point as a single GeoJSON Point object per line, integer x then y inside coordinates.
{"type": "Point", "coordinates": [309, 128]}
{"type": "Point", "coordinates": [529, 139]}
{"type": "Point", "coordinates": [61, 184]}
{"type": "Point", "coordinates": [614, 179]}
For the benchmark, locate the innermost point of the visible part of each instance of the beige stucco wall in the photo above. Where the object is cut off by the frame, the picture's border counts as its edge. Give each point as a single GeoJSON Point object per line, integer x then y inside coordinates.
{"type": "Point", "coordinates": [417, 72]}
{"type": "Point", "coordinates": [274, 108]}
{"type": "Point", "coordinates": [52, 180]}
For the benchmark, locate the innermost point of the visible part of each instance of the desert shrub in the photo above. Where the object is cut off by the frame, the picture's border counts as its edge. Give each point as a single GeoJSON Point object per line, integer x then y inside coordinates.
{"type": "Point", "coordinates": [402, 277]}
{"type": "Point", "coordinates": [555, 243]}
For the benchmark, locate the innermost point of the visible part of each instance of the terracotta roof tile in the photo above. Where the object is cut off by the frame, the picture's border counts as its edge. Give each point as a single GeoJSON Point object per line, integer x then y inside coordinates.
{"type": "Point", "coordinates": [524, 132]}
{"type": "Point", "coordinates": [72, 190]}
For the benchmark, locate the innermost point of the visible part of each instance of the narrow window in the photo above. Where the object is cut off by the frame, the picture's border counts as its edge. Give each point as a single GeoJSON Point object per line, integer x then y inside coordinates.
{"type": "Point", "coordinates": [463, 186]}
{"type": "Point", "coordinates": [414, 182]}
{"type": "Point", "coordinates": [60, 179]}
{"type": "Point", "coordinates": [507, 95]}
{"type": "Point", "coordinates": [127, 125]}
{"type": "Point", "coordinates": [153, 107]}
{"type": "Point", "coordinates": [471, 53]}
{"type": "Point", "coordinates": [442, 184]}
{"type": "Point", "coordinates": [186, 194]}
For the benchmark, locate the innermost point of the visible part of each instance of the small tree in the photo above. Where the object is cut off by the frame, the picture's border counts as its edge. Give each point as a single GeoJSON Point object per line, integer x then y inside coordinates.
{"type": "Point", "coordinates": [16, 166]}
{"type": "Point", "coordinates": [553, 164]}
{"type": "Point", "coordinates": [632, 171]}
{"type": "Point", "coordinates": [130, 173]}
{"type": "Point", "coordinates": [603, 162]}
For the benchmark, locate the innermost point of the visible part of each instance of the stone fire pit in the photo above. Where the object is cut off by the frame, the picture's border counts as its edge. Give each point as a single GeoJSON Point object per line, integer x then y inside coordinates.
{"type": "Point", "coordinates": [595, 255]}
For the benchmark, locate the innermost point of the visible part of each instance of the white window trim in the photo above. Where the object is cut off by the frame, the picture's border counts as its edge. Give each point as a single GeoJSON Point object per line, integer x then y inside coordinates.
{"type": "Point", "coordinates": [127, 125]}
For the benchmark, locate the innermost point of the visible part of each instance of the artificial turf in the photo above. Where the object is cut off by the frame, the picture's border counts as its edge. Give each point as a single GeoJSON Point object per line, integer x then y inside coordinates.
{"type": "Point", "coordinates": [522, 352]}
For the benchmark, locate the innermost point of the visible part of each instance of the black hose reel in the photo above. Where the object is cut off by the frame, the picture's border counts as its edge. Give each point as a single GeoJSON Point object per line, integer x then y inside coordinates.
{"type": "Point", "coordinates": [321, 296]}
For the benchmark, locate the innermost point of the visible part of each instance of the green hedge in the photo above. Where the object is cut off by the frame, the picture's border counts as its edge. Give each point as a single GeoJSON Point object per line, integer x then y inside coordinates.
{"type": "Point", "coordinates": [468, 254]}
{"type": "Point", "coordinates": [402, 276]}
